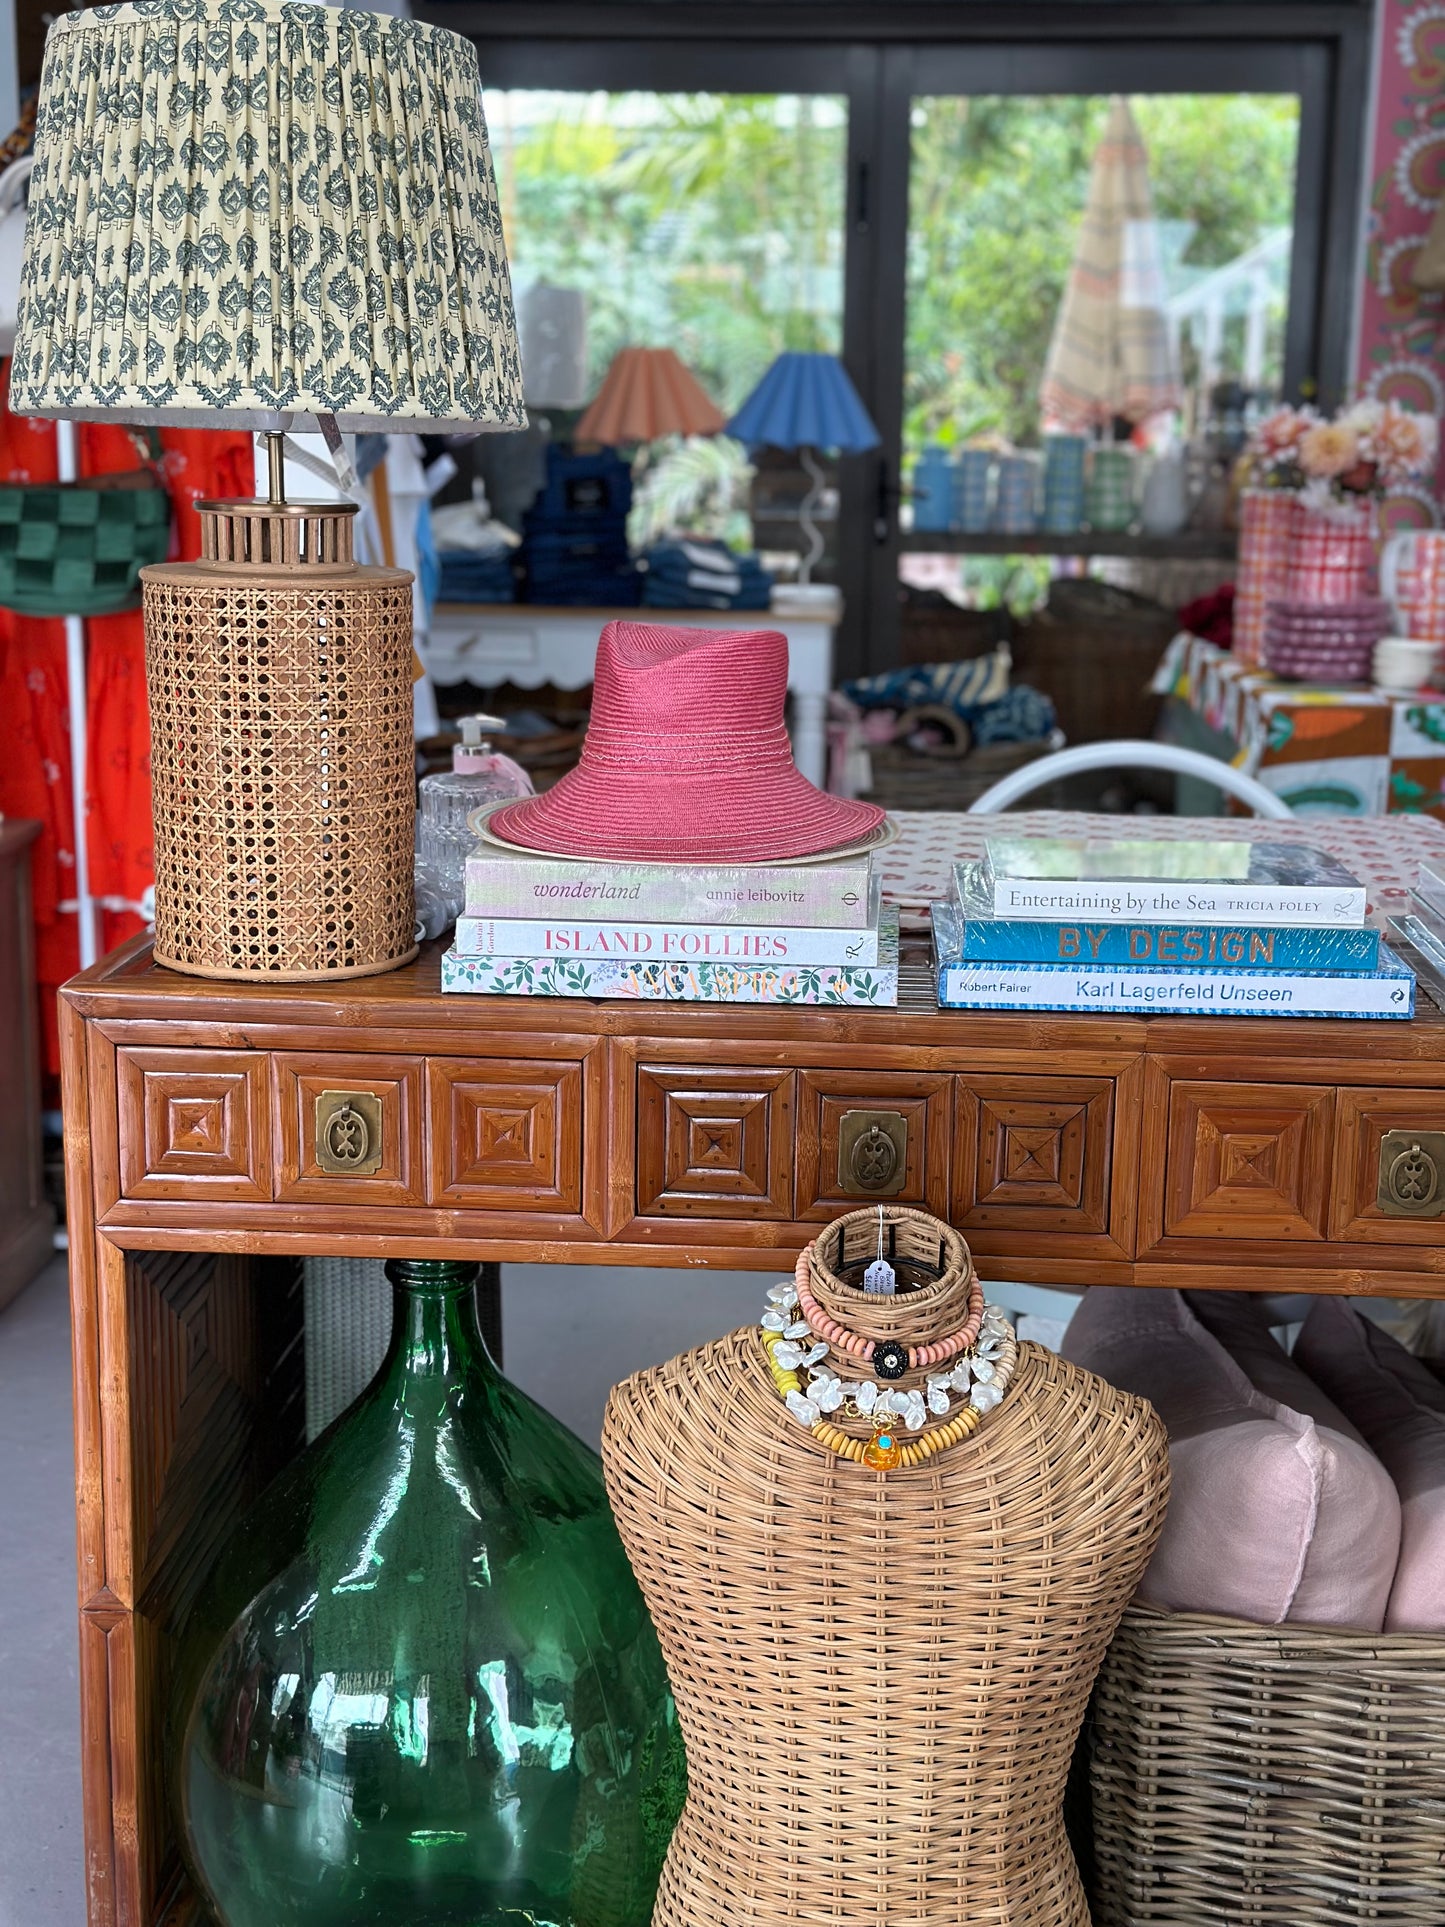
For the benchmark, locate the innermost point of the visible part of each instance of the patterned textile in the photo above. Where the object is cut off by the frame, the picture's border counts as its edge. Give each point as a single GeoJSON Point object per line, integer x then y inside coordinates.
{"type": "Point", "coordinates": [1021, 715]}
{"type": "Point", "coordinates": [1110, 353]}
{"type": "Point", "coordinates": [964, 686]}
{"type": "Point", "coordinates": [1353, 752]}
{"type": "Point", "coordinates": [1397, 324]}
{"type": "Point", "coordinates": [255, 205]}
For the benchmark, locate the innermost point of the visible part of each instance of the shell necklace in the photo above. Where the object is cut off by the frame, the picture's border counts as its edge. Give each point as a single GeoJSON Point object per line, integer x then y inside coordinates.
{"type": "Point", "coordinates": [810, 1388]}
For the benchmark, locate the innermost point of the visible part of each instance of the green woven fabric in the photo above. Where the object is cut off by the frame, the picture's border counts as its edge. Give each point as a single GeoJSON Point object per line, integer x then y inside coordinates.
{"type": "Point", "coordinates": [74, 549]}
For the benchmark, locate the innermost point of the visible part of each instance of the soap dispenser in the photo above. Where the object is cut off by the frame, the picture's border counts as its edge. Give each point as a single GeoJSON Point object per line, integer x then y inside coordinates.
{"type": "Point", "coordinates": [479, 775]}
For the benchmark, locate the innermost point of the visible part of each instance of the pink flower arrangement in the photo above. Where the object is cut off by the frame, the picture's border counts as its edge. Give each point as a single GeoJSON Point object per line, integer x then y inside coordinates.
{"type": "Point", "coordinates": [1328, 451]}
{"type": "Point", "coordinates": [1365, 450]}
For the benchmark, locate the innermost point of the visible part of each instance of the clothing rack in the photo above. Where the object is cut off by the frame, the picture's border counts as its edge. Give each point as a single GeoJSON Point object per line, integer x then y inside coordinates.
{"type": "Point", "coordinates": [86, 908]}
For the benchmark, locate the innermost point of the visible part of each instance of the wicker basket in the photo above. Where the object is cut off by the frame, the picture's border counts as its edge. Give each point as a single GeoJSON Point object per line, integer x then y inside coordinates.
{"type": "Point", "coordinates": [1277, 1776]}
{"type": "Point", "coordinates": [908, 779]}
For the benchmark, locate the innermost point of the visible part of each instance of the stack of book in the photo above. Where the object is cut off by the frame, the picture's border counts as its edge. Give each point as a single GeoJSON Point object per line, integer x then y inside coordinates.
{"type": "Point", "coordinates": [1201, 927]}
{"type": "Point", "coordinates": [784, 933]}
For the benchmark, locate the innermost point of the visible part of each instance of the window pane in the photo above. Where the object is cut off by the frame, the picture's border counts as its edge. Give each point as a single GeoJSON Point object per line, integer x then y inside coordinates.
{"type": "Point", "coordinates": [997, 193]}
{"type": "Point", "coordinates": [708, 223]}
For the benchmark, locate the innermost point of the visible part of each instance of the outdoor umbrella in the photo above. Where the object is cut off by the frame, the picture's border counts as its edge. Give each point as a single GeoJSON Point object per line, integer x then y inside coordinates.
{"type": "Point", "coordinates": [1111, 353]}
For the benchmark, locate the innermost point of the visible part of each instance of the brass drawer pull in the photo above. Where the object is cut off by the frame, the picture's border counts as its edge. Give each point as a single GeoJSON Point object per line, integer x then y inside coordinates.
{"type": "Point", "coordinates": [873, 1152]}
{"type": "Point", "coordinates": [1412, 1174]}
{"type": "Point", "coordinates": [348, 1133]}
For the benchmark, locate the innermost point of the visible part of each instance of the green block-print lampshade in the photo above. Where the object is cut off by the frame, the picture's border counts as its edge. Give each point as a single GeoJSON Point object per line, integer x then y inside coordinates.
{"type": "Point", "coordinates": [247, 208]}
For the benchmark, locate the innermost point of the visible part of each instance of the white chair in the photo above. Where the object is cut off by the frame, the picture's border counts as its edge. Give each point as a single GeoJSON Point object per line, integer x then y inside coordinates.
{"type": "Point", "coordinates": [1129, 755]}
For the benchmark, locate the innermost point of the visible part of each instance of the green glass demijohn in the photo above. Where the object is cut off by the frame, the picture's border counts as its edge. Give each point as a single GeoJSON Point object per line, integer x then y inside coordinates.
{"type": "Point", "coordinates": [421, 1687]}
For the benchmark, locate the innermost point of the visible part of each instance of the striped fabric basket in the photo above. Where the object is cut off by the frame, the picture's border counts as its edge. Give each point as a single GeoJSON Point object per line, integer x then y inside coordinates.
{"type": "Point", "coordinates": [1280, 1776]}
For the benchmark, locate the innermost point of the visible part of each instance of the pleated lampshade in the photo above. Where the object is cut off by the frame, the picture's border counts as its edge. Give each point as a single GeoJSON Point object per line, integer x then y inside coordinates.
{"type": "Point", "coordinates": [645, 394]}
{"type": "Point", "coordinates": [805, 401]}
{"type": "Point", "coordinates": [248, 208]}
{"type": "Point", "coordinates": [243, 211]}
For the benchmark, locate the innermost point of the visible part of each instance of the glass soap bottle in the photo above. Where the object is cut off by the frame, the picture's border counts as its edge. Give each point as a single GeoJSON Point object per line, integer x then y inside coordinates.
{"type": "Point", "coordinates": [479, 775]}
{"type": "Point", "coordinates": [421, 1685]}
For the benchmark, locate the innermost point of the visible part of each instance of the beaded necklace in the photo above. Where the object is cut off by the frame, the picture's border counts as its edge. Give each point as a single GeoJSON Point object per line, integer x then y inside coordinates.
{"type": "Point", "coordinates": [983, 1376]}
{"type": "Point", "coordinates": [887, 1356]}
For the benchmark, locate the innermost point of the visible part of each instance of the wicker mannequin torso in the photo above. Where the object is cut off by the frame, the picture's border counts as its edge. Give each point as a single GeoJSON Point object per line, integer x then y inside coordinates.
{"type": "Point", "coordinates": [880, 1675]}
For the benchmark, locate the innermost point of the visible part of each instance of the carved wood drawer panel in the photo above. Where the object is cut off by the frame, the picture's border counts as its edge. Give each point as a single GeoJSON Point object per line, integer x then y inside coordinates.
{"type": "Point", "coordinates": [1033, 1153]}
{"type": "Point", "coordinates": [1389, 1176]}
{"type": "Point", "coordinates": [1247, 1161]}
{"type": "Point", "coordinates": [194, 1124]}
{"type": "Point", "coordinates": [349, 1129]}
{"type": "Point", "coordinates": [714, 1143]}
{"type": "Point", "coordinates": [835, 1173]}
{"type": "Point", "coordinates": [506, 1133]}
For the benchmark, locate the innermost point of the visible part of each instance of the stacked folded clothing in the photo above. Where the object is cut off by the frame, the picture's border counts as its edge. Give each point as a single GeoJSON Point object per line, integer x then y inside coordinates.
{"type": "Point", "coordinates": [574, 536]}
{"type": "Point", "coordinates": [704, 575]}
{"type": "Point", "coordinates": [469, 577]}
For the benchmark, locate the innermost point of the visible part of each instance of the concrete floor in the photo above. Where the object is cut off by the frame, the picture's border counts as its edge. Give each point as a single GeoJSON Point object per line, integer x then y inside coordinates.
{"type": "Point", "coordinates": [40, 1843]}
{"type": "Point", "coordinates": [571, 1331]}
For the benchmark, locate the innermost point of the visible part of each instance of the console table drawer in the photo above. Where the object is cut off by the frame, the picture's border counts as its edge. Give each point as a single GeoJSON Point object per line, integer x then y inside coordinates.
{"type": "Point", "coordinates": [1389, 1183]}
{"type": "Point", "coordinates": [869, 1136]}
{"type": "Point", "coordinates": [194, 1124]}
{"type": "Point", "coordinates": [714, 1143]}
{"type": "Point", "coordinates": [506, 1133]}
{"type": "Point", "coordinates": [348, 1128]}
{"type": "Point", "coordinates": [1033, 1153]}
{"type": "Point", "coordinates": [1247, 1160]}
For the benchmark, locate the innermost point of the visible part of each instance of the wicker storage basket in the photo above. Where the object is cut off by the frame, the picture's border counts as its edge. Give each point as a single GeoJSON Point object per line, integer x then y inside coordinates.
{"type": "Point", "coordinates": [1277, 1776]}
{"type": "Point", "coordinates": [907, 779]}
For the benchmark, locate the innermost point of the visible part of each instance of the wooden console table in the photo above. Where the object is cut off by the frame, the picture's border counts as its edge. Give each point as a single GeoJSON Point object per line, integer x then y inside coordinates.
{"type": "Point", "coordinates": [204, 1160]}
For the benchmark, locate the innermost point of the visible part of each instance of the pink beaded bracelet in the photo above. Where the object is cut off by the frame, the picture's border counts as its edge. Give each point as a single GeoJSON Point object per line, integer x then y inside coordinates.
{"type": "Point", "coordinates": [888, 1357]}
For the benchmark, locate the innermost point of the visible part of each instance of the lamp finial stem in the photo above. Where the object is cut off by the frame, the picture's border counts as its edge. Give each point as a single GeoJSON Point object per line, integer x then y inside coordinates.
{"type": "Point", "coordinates": [276, 467]}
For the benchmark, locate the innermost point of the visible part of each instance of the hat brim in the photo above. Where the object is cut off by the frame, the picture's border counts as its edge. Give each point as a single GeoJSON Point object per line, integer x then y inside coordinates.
{"type": "Point", "coordinates": [779, 818]}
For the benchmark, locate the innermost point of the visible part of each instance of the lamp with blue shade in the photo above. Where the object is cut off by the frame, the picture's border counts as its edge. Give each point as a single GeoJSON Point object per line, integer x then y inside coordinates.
{"type": "Point", "coordinates": [806, 402]}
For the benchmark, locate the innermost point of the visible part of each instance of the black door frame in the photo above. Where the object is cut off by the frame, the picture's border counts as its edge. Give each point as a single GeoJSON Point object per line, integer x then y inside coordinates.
{"type": "Point", "coordinates": [879, 56]}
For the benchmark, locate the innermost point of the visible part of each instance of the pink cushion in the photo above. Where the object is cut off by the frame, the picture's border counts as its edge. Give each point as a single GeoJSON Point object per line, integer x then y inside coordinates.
{"type": "Point", "coordinates": [1237, 1320]}
{"type": "Point", "coordinates": [1399, 1405]}
{"type": "Point", "coordinates": [1273, 1515]}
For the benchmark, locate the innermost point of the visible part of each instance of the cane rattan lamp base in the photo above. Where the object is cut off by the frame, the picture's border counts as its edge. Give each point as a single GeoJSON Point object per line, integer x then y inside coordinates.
{"type": "Point", "coordinates": [283, 779]}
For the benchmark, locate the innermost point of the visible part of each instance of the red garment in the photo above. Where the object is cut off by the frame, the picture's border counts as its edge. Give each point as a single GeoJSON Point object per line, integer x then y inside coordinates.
{"type": "Point", "coordinates": [35, 772]}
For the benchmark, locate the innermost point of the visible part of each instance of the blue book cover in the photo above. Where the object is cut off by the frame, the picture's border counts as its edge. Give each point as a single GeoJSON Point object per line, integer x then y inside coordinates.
{"type": "Point", "coordinates": [1151, 990]}
{"type": "Point", "coordinates": [1210, 946]}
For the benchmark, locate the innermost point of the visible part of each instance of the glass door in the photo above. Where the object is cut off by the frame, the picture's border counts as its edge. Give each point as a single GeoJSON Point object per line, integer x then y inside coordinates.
{"type": "Point", "coordinates": [989, 188]}
{"type": "Point", "coordinates": [692, 197]}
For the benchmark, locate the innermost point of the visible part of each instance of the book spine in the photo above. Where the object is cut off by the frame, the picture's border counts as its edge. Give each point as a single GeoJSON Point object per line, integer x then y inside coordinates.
{"type": "Point", "coordinates": [663, 942]}
{"type": "Point", "coordinates": [1152, 901]}
{"type": "Point", "coordinates": [1193, 993]}
{"type": "Point", "coordinates": [798, 897]}
{"type": "Point", "coordinates": [1211, 945]}
{"type": "Point", "coordinates": [669, 982]}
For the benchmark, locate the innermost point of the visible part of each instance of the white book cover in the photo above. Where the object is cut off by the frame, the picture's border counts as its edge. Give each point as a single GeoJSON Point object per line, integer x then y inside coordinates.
{"type": "Point", "coordinates": [667, 942]}
{"type": "Point", "coordinates": [1154, 901]}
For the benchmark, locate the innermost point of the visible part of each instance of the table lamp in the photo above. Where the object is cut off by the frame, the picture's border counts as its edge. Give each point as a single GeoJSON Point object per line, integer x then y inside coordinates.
{"type": "Point", "coordinates": [244, 212]}
{"type": "Point", "coordinates": [647, 393]}
{"type": "Point", "coordinates": [806, 402]}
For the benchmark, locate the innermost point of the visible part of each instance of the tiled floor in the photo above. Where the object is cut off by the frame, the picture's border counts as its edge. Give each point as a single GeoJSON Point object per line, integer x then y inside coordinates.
{"type": "Point", "coordinates": [571, 1332]}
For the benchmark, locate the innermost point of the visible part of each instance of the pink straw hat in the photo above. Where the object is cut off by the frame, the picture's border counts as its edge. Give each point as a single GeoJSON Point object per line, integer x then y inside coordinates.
{"type": "Point", "coordinates": [686, 759]}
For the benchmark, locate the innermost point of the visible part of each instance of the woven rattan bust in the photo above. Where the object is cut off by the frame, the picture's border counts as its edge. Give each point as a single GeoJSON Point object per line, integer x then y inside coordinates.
{"type": "Point", "coordinates": [880, 1675]}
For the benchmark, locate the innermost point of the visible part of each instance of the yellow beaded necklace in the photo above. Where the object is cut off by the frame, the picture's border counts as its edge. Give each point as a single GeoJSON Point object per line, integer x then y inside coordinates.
{"type": "Point", "coordinates": [886, 1450]}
